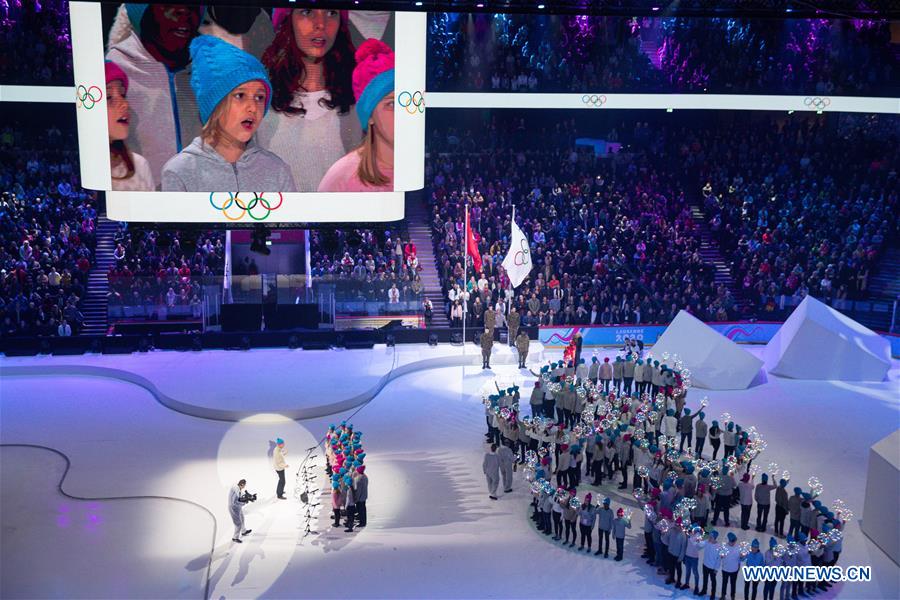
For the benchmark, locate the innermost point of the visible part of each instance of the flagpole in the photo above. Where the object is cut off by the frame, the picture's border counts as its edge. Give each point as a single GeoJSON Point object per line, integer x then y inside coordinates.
{"type": "Point", "coordinates": [512, 298]}
{"type": "Point", "coordinates": [465, 276]}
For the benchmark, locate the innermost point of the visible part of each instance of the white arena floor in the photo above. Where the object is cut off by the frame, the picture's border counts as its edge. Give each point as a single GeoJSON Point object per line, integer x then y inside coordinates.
{"type": "Point", "coordinates": [114, 476]}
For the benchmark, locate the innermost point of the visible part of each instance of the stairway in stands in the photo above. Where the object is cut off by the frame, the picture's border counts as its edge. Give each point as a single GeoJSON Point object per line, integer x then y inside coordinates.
{"type": "Point", "coordinates": [710, 253]}
{"type": "Point", "coordinates": [94, 306]}
{"type": "Point", "coordinates": [885, 281]}
{"type": "Point", "coordinates": [418, 223]}
{"type": "Point", "coordinates": [884, 289]}
{"type": "Point", "coordinates": [650, 48]}
{"type": "Point", "coordinates": [650, 38]}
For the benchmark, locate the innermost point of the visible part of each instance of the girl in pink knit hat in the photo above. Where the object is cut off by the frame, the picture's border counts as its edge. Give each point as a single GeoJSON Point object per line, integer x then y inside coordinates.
{"type": "Point", "coordinates": [129, 171]}
{"type": "Point", "coordinates": [370, 167]}
{"type": "Point", "coordinates": [310, 64]}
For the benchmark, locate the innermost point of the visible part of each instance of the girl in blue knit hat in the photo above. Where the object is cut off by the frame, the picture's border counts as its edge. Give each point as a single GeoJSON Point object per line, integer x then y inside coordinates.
{"type": "Point", "coordinates": [233, 95]}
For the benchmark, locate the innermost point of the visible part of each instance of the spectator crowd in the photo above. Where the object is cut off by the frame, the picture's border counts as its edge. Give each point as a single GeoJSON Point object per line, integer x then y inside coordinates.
{"type": "Point", "coordinates": [366, 265]}
{"type": "Point", "coordinates": [539, 53]}
{"type": "Point", "coordinates": [798, 56]}
{"type": "Point", "coordinates": [531, 53]}
{"type": "Point", "coordinates": [35, 44]}
{"type": "Point", "coordinates": [47, 237]}
{"type": "Point", "coordinates": [612, 238]}
{"type": "Point", "coordinates": [163, 268]}
{"type": "Point", "coordinates": [800, 206]}
{"type": "Point", "coordinates": [797, 205]}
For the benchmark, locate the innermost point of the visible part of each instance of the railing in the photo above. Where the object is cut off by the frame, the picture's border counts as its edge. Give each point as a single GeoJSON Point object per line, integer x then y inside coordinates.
{"type": "Point", "coordinates": [171, 303]}
{"type": "Point", "coordinates": [197, 302]}
{"type": "Point", "coordinates": [875, 313]}
{"type": "Point", "coordinates": [355, 304]}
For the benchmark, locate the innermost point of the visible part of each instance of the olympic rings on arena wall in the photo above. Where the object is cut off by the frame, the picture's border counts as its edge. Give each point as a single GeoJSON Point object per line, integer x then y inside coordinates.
{"type": "Point", "coordinates": [413, 102]}
{"type": "Point", "coordinates": [246, 208]}
{"type": "Point", "coordinates": [87, 97]}
{"type": "Point", "coordinates": [816, 102]}
{"type": "Point", "coordinates": [596, 100]}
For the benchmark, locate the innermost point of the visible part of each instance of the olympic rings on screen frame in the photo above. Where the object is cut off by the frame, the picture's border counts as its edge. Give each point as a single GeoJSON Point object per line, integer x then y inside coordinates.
{"type": "Point", "coordinates": [816, 102]}
{"type": "Point", "coordinates": [594, 99]}
{"type": "Point", "coordinates": [413, 102]}
{"type": "Point", "coordinates": [87, 97]}
{"type": "Point", "coordinates": [246, 208]}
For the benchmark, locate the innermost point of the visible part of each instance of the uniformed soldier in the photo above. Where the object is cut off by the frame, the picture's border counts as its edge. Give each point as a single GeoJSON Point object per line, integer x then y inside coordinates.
{"type": "Point", "coordinates": [487, 343]}
{"type": "Point", "coordinates": [522, 343]}
{"type": "Point", "coordinates": [490, 319]}
{"type": "Point", "coordinates": [513, 319]}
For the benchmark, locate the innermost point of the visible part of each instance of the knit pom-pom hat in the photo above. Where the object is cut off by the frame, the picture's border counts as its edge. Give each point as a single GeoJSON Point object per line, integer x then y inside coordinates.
{"type": "Point", "coordinates": [373, 77]}
{"type": "Point", "coordinates": [115, 73]}
{"type": "Point", "coordinates": [217, 68]}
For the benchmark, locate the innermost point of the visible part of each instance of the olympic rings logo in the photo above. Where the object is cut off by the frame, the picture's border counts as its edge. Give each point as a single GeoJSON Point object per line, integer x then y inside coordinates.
{"type": "Point", "coordinates": [816, 102]}
{"type": "Point", "coordinates": [87, 96]}
{"type": "Point", "coordinates": [246, 208]}
{"type": "Point", "coordinates": [413, 102]}
{"type": "Point", "coordinates": [594, 100]}
{"type": "Point", "coordinates": [522, 257]}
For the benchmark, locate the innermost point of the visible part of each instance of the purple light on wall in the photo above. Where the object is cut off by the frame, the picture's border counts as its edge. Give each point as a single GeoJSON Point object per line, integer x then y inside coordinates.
{"type": "Point", "coordinates": [860, 24]}
{"type": "Point", "coordinates": [578, 35]}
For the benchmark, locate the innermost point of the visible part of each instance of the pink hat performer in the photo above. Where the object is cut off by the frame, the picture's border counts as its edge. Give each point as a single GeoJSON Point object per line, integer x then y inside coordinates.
{"type": "Point", "coordinates": [370, 167]}
{"type": "Point", "coordinates": [129, 171]}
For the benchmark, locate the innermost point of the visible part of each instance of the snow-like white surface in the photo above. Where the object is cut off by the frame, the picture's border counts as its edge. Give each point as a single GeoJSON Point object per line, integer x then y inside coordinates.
{"type": "Point", "coordinates": [57, 546]}
{"type": "Point", "coordinates": [233, 385]}
{"type": "Point", "coordinates": [433, 532]}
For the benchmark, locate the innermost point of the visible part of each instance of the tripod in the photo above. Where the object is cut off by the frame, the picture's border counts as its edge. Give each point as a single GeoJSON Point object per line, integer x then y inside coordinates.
{"type": "Point", "coordinates": [306, 487]}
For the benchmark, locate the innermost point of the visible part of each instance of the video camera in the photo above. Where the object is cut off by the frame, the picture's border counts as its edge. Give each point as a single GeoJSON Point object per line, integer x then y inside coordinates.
{"type": "Point", "coordinates": [247, 497]}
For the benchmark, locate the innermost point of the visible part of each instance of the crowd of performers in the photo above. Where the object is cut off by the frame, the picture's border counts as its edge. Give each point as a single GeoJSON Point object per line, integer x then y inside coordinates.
{"type": "Point", "coordinates": [625, 420]}
{"type": "Point", "coordinates": [349, 483]}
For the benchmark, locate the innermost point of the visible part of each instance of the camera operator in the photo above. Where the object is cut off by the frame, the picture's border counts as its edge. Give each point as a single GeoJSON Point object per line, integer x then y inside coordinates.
{"type": "Point", "coordinates": [236, 501]}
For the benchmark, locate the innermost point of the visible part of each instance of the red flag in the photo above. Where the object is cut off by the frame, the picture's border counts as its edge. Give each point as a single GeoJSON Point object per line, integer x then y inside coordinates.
{"type": "Point", "coordinates": [472, 245]}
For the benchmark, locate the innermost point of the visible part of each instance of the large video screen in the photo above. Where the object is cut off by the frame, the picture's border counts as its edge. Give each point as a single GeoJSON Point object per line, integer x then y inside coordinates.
{"type": "Point", "coordinates": [239, 113]}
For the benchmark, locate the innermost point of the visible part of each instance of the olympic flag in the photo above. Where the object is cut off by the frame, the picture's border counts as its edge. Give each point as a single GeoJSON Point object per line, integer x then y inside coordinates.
{"type": "Point", "coordinates": [518, 260]}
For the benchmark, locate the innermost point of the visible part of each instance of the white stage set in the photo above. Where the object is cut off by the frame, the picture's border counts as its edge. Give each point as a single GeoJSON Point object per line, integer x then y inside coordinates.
{"type": "Point", "coordinates": [715, 362]}
{"type": "Point", "coordinates": [818, 342]}
{"type": "Point", "coordinates": [116, 471]}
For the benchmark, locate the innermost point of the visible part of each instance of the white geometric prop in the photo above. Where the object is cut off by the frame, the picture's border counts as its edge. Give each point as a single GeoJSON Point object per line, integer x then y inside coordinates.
{"type": "Point", "coordinates": [818, 342]}
{"type": "Point", "coordinates": [879, 518]}
{"type": "Point", "coordinates": [715, 362]}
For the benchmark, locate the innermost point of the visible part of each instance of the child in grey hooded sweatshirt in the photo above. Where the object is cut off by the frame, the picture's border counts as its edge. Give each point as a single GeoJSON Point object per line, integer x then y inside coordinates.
{"type": "Point", "coordinates": [233, 93]}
